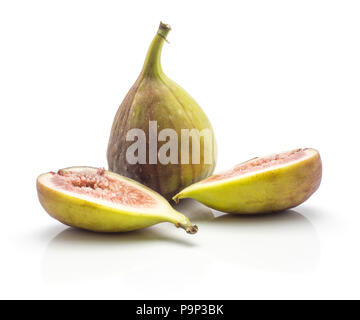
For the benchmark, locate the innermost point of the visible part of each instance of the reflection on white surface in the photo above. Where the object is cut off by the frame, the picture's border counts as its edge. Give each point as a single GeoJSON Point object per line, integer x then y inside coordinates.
{"type": "Point", "coordinates": [282, 242]}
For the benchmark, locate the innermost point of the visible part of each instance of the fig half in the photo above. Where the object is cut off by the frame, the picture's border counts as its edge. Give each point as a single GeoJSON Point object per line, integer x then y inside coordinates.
{"type": "Point", "coordinates": [98, 200]}
{"type": "Point", "coordinates": [260, 185]}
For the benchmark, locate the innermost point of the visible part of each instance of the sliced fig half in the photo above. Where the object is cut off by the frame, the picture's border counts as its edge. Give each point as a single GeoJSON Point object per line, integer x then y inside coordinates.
{"type": "Point", "coordinates": [99, 200]}
{"type": "Point", "coordinates": [260, 185]}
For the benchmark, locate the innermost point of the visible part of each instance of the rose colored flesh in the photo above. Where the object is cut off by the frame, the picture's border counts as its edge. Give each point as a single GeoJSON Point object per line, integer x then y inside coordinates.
{"type": "Point", "coordinates": [98, 185]}
{"type": "Point", "coordinates": [259, 164]}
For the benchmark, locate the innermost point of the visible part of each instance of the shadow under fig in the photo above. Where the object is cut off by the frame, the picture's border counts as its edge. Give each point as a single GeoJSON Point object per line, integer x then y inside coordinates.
{"type": "Point", "coordinates": [288, 217]}
{"type": "Point", "coordinates": [77, 237]}
{"type": "Point", "coordinates": [194, 210]}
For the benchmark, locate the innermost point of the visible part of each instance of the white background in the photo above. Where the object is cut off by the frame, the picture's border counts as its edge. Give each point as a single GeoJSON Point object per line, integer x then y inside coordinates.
{"type": "Point", "coordinates": [270, 75]}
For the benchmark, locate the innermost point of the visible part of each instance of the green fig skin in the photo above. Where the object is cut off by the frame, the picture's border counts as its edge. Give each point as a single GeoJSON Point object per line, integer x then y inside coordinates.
{"type": "Point", "coordinates": [155, 97]}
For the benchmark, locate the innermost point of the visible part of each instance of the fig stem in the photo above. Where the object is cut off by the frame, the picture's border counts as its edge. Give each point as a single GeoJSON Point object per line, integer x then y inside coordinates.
{"type": "Point", "coordinates": [152, 64]}
{"type": "Point", "coordinates": [189, 228]}
{"type": "Point", "coordinates": [163, 30]}
{"type": "Point", "coordinates": [177, 198]}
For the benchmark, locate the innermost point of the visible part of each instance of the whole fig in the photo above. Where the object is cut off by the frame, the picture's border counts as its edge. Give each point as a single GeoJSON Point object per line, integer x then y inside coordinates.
{"type": "Point", "coordinates": [160, 136]}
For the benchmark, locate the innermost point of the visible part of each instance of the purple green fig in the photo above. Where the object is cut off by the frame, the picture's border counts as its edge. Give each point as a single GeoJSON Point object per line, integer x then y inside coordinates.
{"type": "Point", "coordinates": [154, 98]}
